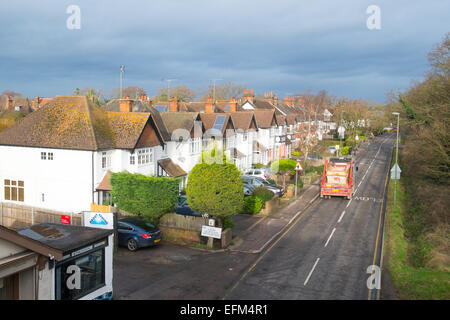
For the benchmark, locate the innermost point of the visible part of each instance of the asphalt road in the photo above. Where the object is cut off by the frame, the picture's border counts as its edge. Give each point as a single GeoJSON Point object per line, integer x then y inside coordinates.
{"type": "Point", "coordinates": [325, 254]}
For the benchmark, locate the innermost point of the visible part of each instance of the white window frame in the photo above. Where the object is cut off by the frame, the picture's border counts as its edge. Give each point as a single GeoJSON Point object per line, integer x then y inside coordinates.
{"type": "Point", "coordinates": [145, 156]}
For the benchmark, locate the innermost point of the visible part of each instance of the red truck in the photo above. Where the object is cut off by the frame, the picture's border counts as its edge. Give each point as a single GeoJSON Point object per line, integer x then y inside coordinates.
{"type": "Point", "coordinates": [337, 178]}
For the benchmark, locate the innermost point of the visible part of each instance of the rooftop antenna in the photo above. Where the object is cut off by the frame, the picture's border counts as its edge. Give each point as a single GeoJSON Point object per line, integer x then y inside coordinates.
{"type": "Point", "coordinates": [168, 87]}
{"type": "Point", "coordinates": [214, 89]}
{"type": "Point", "coordinates": [122, 71]}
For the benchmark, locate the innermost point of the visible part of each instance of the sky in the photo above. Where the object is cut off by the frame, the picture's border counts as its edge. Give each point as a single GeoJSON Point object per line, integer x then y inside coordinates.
{"type": "Point", "coordinates": [284, 46]}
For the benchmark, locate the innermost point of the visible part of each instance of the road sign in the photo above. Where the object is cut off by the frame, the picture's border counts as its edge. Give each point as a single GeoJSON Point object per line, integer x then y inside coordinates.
{"type": "Point", "coordinates": [212, 232]}
{"type": "Point", "coordinates": [395, 172]}
{"type": "Point", "coordinates": [298, 167]}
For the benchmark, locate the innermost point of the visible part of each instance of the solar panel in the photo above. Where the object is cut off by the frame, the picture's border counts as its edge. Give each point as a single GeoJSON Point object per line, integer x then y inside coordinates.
{"type": "Point", "coordinates": [218, 124]}
{"type": "Point", "coordinates": [161, 108]}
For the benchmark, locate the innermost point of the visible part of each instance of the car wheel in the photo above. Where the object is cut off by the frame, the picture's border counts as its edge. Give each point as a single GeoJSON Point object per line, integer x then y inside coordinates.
{"type": "Point", "coordinates": [132, 245]}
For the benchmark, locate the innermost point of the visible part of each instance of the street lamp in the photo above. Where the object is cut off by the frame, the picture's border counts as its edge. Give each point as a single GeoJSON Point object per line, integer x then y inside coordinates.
{"type": "Point", "coordinates": [396, 157]}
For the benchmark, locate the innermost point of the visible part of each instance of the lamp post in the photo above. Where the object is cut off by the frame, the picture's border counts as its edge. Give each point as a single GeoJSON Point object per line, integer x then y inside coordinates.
{"type": "Point", "coordinates": [396, 156]}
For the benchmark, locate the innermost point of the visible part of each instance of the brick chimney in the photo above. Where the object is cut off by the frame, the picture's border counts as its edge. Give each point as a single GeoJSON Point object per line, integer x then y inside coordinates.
{"type": "Point", "coordinates": [289, 101]}
{"type": "Point", "coordinates": [275, 100]}
{"type": "Point", "coordinates": [173, 105]}
{"type": "Point", "coordinates": [233, 104]}
{"type": "Point", "coordinates": [268, 97]}
{"type": "Point", "coordinates": [248, 95]}
{"type": "Point", "coordinates": [209, 105]}
{"type": "Point", "coordinates": [9, 103]}
{"type": "Point", "coordinates": [126, 104]}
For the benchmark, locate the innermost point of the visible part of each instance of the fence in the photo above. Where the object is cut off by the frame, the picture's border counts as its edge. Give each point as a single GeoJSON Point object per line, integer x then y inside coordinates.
{"type": "Point", "coordinates": [16, 216]}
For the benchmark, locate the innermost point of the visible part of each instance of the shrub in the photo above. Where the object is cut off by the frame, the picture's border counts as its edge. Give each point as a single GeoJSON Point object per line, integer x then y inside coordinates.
{"type": "Point", "coordinates": [263, 193]}
{"type": "Point", "coordinates": [149, 197]}
{"type": "Point", "coordinates": [252, 204]}
{"type": "Point", "coordinates": [345, 150]}
{"type": "Point", "coordinates": [215, 187]}
{"type": "Point", "coordinates": [296, 154]}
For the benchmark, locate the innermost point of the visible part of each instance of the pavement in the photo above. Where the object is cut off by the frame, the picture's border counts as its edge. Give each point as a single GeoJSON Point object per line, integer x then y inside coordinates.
{"type": "Point", "coordinates": [255, 237]}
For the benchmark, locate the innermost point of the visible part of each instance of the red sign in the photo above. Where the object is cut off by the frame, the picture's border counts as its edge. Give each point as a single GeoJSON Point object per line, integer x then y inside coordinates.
{"type": "Point", "coordinates": [65, 219]}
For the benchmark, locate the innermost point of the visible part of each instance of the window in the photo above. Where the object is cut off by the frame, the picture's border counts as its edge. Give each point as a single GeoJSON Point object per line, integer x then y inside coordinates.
{"type": "Point", "coordinates": [50, 156]}
{"type": "Point", "coordinates": [103, 160]}
{"type": "Point", "coordinates": [14, 190]}
{"type": "Point", "coordinates": [43, 155]}
{"type": "Point", "coordinates": [195, 145]}
{"type": "Point", "coordinates": [132, 160]}
{"type": "Point", "coordinates": [145, 156]}
{"type": "Point", "coordinates": [92, 270]}
{"type": "Point", "coordinates": [106, 160]}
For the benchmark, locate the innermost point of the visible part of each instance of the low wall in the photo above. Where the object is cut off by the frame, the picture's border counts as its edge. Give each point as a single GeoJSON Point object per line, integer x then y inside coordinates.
{"type": "Point", "coordinates": [16, 216]}
{"type": "Point", "coordinates": [187, 229]}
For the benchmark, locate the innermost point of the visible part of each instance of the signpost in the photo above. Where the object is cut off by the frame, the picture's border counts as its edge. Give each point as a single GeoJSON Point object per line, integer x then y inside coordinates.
{"type": "Point", "coordinates": [298, 168]}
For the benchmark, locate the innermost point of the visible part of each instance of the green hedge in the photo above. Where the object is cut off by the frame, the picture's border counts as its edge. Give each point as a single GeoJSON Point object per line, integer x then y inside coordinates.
{"type": "Point", "coordinates": [149, 197]}
{"type": "Point", "coordinates": [263, 193]}
{"type": "Point", "coordinates": [215, 187]}
{"type": "Point", "coordinates": [253, 204]}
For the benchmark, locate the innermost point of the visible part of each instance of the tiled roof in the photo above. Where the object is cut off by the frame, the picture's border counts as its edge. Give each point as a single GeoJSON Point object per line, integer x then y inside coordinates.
{"type": "Point", "coordinates": [140, 106]}
{"type": "Point", "coordinates": [105, 184]}
{"type": "Point", "coordinates": [264, 118]}
{"type": "Point", "coordinates": [242, 119]}
{"type": "Point", "coordinates": [65, 122]}
{"type": "Point", "coordinates": [180, 120]}
{"type": "Point", "coordinates": [171, 168]}
{"type": "Point", "coordinates": [73, 122]}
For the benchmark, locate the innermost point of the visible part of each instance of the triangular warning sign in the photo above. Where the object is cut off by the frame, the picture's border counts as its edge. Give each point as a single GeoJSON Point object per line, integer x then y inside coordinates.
{"type": "Point", "coordinates": [298, 166]}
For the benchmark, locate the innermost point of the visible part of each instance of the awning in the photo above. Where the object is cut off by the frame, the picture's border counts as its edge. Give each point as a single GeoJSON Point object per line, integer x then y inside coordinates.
{"type": "Point", "coordinates": [258, 146]}
{"type": "Point", "coordinates": [104, 185]}
{"type": "Point", "coordinates": [235, 153]}
{"type": "Point", "coordinates": [171, 168]}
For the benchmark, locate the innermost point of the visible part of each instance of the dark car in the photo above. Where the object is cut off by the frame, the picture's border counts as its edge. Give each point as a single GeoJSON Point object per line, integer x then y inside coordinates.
{"type": "Point", "coordinates": [259, 182]}
{"type": "Point", "coordinates": [135, 233]}
{"type": "Point", "coordinates": [248, 189]}
{"type": "Point", "coordinates": [182, 207]}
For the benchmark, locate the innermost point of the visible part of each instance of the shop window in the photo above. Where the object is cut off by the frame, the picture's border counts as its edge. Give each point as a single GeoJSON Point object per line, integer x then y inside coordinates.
{"type": "Point", "coordinates": [92, 275]}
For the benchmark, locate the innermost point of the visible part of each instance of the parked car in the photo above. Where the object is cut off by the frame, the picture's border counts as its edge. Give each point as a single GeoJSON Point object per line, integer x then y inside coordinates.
{"type": "Point", "coordinates": [259, 182]}
{"type": "Point", "coordinates": [182, 207]}
{"type": "Point", "coordinates": [332, 149]}
{"type": "Point", "coordinates": [135, 233]}
{"type": "Point", "coordinates": [257, 173]}
{"type": "Point", "coordinates": [248, 189]}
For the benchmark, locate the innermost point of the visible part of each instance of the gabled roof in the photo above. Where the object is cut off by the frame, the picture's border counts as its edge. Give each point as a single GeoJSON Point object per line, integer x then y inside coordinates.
{"type": "Point", "coordinates": [243, 120]}
{"type": "Point", "coordinates": [180, 120]}
{"type": "Point", "coordinates": [65, 122]}
{"type": "Point", "coordinates": [209, 119]}
{"type": "Point", "coordinates": [73, 122]}
{"type": "Point", "coordinates": [265, 118]}
{"type": "Point", "coordinates": [171, 168]}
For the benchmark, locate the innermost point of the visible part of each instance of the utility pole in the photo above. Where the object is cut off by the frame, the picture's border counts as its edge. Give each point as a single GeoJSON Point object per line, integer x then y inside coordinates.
{"type": "Point", "coordinates": [396, 157]}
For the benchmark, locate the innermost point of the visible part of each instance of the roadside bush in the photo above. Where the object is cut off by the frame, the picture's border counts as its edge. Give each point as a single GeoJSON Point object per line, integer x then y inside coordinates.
{"type": "Point", "coordinates": [215, 187]}
{"type": "Point", "coordinates": [258, 166]}
{"type": "Point", "coordinates": [252, 204]}
{"type": "Point", "coordinates": [263, 193]}
{"type": "Point", "coordinates": [296, 154]}
{"type": "Point", "coordinates": [228, 223]}
{"type": "Point", "coordinates": [345, 150]}
{"type": "Point", "coordinates": [149, 197]}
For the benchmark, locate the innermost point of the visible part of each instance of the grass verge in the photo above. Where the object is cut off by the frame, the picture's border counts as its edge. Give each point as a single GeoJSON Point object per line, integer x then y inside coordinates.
{"type": "Point", "coordinates": [410, 283]}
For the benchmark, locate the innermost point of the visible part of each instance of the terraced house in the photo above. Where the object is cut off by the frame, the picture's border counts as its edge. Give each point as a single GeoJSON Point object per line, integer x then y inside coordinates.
{"type": "Point", "coordinates": [59, 156]}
